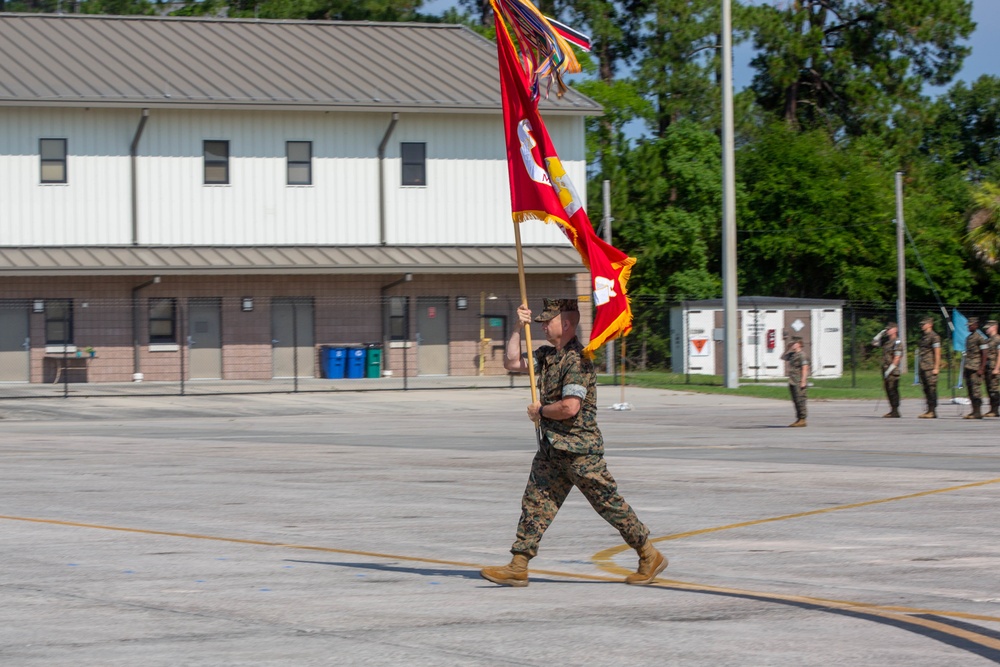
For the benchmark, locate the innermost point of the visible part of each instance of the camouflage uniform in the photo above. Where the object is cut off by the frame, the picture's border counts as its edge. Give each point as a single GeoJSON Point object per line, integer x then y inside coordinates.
{"type": "Point", "coordinates": [571, 453]}
{"type": "Point", "coordinates": [891, 347]}
{"type": "Point", "coordinates": [794, 363]}
{"type": "Point", "coordinates": [975, 343]}
{"type": "Point", "coordinates": [992, 381]}
{"type": "Point", "coordinates": [928, 380]}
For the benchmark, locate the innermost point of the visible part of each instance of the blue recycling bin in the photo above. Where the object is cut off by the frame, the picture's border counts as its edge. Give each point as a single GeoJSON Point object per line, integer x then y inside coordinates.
{"type": "Point", "coordinates": [356, 362]}
{"type": "Point", "coordinates": [332, 361]}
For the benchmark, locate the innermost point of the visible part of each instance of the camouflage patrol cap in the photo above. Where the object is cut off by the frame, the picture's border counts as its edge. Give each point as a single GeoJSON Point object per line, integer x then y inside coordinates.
{"type": "Point", "coordinates": [891, 325]}
{"type": "Point", "coordinates": [926, 319]}
{"type": "Point", "coordinates": [974, 320]}
{"type": "Point", "coordinates": [796, 339]}
{"type": "Point", "coordinates": [555, 306]}
{"type": "Point", "coordinates": [991, 323]}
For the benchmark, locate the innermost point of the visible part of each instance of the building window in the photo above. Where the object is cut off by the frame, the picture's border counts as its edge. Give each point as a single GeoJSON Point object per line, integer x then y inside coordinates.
{"type": "Point", "coordinates": [216, 163]}
{"type": "Point", "coordinates": [163, 320]}
{"type": "Point", "coordinates": [414, 163]}
{"type": "Point", "coordinates": [398, 318]}
{"type": "Point", "coordinates": [299, 155]}
{"type": "Point", "coordinates": [58, 321]}
{"type": "Point", "coordinates": [53, 155]}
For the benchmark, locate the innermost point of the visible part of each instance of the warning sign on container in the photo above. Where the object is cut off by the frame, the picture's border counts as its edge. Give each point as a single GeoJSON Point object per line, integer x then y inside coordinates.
{"type": "Point", "coordinates": [700, 347]}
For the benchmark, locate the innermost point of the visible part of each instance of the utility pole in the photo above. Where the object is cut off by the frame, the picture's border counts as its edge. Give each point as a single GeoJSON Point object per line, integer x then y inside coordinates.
{"type": "Point", "coordinates": [900, 270]}
{"type": "Point", "coordinates": [729, 301]}
{"type": "Point", "coordinates": [609, 347]}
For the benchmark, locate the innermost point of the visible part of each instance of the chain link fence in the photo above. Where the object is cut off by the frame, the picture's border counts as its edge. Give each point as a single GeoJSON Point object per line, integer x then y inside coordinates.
{"type": "Point", "coordinates": [226, 345]}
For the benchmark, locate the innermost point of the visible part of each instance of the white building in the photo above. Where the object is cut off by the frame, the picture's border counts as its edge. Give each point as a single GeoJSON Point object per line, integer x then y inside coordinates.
{"type": "Point", "coordinates": [228, 182]}
{"type": "Point", "coordinates": [765, 324]}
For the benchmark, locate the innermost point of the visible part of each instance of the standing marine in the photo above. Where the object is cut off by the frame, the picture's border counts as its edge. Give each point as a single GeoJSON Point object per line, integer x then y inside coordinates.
{"type": "Point", "coordinates": [570, 449]}
{"type": "Point", "coordinates": [892, 351]}
{"type": "Point", "coordinates": [929, 350]}
{"type": "Point", "coordinates": [992, 370]}
{"type": "Point", "coordinates": [976, 350]}
{"type": "Point", "coordinates": [797, 369]}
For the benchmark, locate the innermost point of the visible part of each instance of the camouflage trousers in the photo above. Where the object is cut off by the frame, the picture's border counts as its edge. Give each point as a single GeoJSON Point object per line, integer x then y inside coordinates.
{"type": "Point", "coordinates": [891, 384]}
{"type": "Point", "coordinates": [993, 389]}
{"type": "Point", "coordinates": [928, 380]}
{"type": "Point", "coordinates": [974, 384]}
{"type": "Point", "coordinates": [553, 474]}
{"type": "Point", "coordinates": [799, 396]}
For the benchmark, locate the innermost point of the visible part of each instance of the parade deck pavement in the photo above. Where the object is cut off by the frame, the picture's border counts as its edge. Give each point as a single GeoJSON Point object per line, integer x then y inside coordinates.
{"type": "Point", "coordinates": [348, 529]}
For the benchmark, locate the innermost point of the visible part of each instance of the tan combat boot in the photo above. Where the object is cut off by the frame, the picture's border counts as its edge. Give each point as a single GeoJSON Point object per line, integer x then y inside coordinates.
{"type": "Point", "coordinates": [797, 423]}
{"type": "Point", "coordinates": [651, 563]}
{"type": "Point", "coordinates": [930, 414]}
{"type": "Point", "coordinates": [514, 573]}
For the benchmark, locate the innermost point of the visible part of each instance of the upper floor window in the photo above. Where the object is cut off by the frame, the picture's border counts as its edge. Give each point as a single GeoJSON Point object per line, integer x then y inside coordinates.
{"type": "Point", "coordinates": [163, 320]}
{"type": "Point", "coordinates": [299, 154]}
{"type": "Point", "coordinates": [58, 321]}
{"type": "Point", "coordinates": [53, 155]}
{"type": "Point", "coordinates": [216, 163]}
{"type": "Point", "coordinates": [414, 163]}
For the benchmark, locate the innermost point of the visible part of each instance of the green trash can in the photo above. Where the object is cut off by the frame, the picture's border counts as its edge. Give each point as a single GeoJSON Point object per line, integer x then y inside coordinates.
{"type": "Point", "coordinates": [373, 361]}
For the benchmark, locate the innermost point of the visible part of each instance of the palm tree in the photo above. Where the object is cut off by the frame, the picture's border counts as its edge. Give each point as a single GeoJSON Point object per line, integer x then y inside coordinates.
{"type": "Point", "coordinates": [984, 224]}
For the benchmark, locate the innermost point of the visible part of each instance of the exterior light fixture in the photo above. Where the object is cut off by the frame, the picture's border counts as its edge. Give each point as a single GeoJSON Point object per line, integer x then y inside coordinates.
{"type": "Point", "coordinates": [246, 304]}
{"type": "Point", "coordinates": [461, 302]}
{"type": "Point", "coordinates": [38, 306]}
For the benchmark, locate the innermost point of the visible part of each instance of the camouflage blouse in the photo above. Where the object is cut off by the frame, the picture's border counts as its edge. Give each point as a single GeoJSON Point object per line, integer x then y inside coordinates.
{"type": "Point", "coordinates": [793, 366]}
{"type": "Point", "coordinates": [563, 373]}
{"type": "Point", "coordinates": [928, 342]}
{"type": "Point", "coordinates": [974, 346]}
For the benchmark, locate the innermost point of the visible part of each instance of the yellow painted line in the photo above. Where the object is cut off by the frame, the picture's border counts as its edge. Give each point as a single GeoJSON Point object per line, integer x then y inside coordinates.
{"type": "Point", "coordinates": [603, 558]}
{"type": "Point", "coordinates": [612, 568]}
{"type": "Point", "coordinates": [900, 615]}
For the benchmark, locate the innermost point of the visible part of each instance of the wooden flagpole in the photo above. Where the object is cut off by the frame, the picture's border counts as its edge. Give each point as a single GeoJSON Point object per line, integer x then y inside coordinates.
{"type": "Point", "coordinates": [524, 302]}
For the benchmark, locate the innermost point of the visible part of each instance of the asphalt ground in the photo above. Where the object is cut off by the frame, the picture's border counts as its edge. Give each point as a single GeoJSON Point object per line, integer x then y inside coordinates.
{"type": "Point", "coordinates": [348, 528]}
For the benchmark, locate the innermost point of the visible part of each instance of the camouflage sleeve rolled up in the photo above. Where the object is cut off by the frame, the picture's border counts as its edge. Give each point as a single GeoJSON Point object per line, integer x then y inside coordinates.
{"type": "Point", "coordinates": [568, 373]}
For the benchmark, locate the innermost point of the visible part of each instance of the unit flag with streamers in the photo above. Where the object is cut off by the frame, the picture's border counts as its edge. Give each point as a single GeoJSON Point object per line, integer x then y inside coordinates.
{"type": "Point", "coordinates": [540, 189]}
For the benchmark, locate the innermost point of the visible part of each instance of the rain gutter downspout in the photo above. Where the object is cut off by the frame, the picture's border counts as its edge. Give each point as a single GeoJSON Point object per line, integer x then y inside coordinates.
{"type": "Point", "coordinates": [381, 177]}
{"type": "Point", "coordinates": [136, 367]}
{"type": "Point", "coordinates": [133, 150]}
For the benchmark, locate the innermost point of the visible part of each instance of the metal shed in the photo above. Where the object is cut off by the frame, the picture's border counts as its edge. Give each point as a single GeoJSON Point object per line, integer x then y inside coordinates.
{"type": "Point", "coordinates": [766, 324]}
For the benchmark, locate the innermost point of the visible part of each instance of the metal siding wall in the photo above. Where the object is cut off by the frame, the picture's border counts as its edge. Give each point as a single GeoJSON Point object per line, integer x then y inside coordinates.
{"type": "Point", "coordinates": [467, 197]}
{"type": "Point", "coordinates": [93, 206]}
{"type": "Point", "coordinates": [467, 200]}
{"type": "Point", "coordinates": [257, 207]}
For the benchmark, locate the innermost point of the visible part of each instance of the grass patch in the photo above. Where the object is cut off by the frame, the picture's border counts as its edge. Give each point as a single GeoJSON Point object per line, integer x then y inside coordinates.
{"type": "Point", "coordinates": [867, 384]}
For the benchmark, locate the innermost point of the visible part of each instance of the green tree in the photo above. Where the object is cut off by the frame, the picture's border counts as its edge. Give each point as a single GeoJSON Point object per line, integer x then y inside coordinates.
{"type": "Point", "coordinates": [849, 65]}
{"type": "Point", "coordinates": [817, 221]}
{"type": "Point", "coordinates": [679, 61]}
{"type": "Point", "coordinates": [330, 10]}
{"type": "Point", "coordinates": [984, 224]}
{"type": "Point", "coordinates": [965, 131]}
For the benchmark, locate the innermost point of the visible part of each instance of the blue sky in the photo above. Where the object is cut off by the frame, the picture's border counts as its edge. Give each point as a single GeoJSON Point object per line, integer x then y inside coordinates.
{"type": "Point", "coordinates": [985, 57]}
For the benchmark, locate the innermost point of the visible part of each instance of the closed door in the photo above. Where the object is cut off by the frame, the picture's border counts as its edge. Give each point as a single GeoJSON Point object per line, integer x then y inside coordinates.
{"type": "Point", "coordinates": [762, 344]}
{"type": "Point", "coordinates": [432, 335]}
{"type": "Point", "coordinates": [829, 352]}
{"type": "Point", "coordinates": [292, 348]}
{"type": "Point", "coordinates": [14, 343]}
{"type": "Point", "coordinates": [205, 338]}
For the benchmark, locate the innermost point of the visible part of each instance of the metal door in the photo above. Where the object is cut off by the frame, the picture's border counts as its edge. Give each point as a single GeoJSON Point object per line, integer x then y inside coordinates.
{"type": "Point", "coordinates": [762, 344]}
{"type": "Point", "coordinates": [828, 348]}
{"type": "Point", "coordinates": [799, 323]}
{"type": "Point", "coordinates": [432, 335]}
{"type": "Point", "coordinates": [292, 349]}
{"type": "Point", "coordinates": [14, 344]}
{"type": "Point", "coordinates": [205, 338]}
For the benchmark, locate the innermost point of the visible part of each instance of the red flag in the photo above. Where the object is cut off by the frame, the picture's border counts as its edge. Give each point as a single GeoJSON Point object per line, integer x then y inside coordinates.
{"type": "Point", "coordinates": [540, 189]}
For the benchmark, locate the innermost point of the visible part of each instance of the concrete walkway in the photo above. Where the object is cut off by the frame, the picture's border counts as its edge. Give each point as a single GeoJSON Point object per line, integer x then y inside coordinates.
{"type": "Point", "coordinates": [347, 529]}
